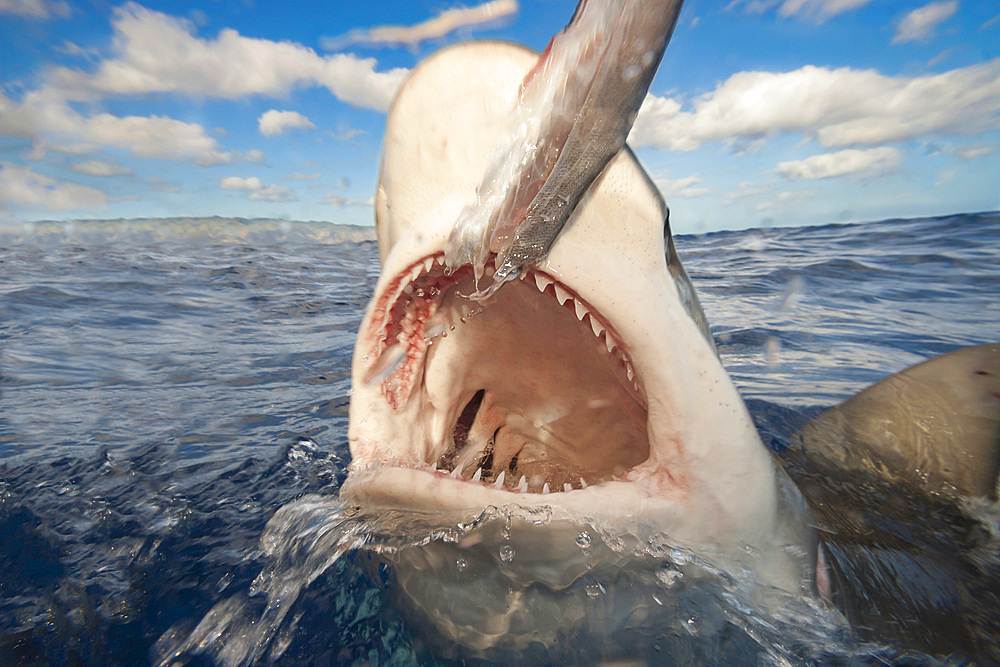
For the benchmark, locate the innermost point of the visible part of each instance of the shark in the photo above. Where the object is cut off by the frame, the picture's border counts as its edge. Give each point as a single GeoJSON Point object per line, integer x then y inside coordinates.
{"type": "Point", "coordinates": [559, 363]}
{"type": "Point", "coordinates": [535, 356]}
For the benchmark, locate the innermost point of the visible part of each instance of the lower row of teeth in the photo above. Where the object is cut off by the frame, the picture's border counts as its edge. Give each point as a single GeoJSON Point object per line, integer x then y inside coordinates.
{"type": "Point", "coordinates": [536, 486]}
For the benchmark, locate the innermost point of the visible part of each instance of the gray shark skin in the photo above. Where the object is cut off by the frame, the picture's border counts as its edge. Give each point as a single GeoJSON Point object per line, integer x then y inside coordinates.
{"type": "Point", "coordinates": [934, 426]}
{"type": "Point", "coordinates": [902, 481]}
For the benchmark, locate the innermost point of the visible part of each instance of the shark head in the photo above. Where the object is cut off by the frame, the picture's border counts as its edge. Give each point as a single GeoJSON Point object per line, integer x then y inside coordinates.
{"type": "Point", "coordinates": [588, 385]}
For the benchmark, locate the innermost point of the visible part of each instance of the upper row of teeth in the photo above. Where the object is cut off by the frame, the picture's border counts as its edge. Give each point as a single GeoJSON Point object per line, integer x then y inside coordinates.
{"type": "Point", "coordinates": [424, 266]}
{"type": "Point", "coordinates": [542, 282]}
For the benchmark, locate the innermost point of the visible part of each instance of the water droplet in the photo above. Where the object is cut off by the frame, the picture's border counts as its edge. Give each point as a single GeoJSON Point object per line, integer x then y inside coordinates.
{"type": "Point", "coordinates": [594, 590]}
{"type": "Point", "coordinates": [505, 533]}
{"type": "Point", "coordinates": [680, 557]}
{"type": "Point", "coordinates": [668, 576]}
{"type": "Point", "coordinates": [507, 553]}
{"type": "Point", "coordinates": [224, 582]}
{"type": "Point", "coordinates": [772, 350]}
{"type": "Point", "coordinates": [692, 626]}
{"type": "Point", "coordinates": [583, 540]}
{"type": "Point", "coordinates": [462, 563]}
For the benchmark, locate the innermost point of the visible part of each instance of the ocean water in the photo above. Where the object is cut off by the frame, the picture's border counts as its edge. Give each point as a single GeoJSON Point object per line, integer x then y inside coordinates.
{"type": "Point", "coordinates": [162, 399]}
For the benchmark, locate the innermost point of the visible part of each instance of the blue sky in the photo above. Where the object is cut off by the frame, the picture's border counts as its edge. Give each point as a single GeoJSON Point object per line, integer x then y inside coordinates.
{"type": "Point", "coordinates": [763, 112]}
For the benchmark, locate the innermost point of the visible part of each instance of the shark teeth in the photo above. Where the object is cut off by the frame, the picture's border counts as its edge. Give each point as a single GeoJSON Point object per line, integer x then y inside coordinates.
{"type": "Point", "coordinates": [596, 326]}
{"type": "Point", "coordinates": [583, 313]}
{"type": "Point", "coordinates": [562, 296]}
{"type": "Point", "coordinates": [524, 485]}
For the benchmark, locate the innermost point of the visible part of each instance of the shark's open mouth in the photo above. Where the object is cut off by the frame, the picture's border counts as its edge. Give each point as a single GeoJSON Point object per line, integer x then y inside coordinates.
{"type": "Point", "coordinates": [530, 391]}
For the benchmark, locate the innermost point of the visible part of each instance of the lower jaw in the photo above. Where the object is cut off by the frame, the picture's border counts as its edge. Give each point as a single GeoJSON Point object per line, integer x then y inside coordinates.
{"type": "Point", "coordinates": [619, 503]}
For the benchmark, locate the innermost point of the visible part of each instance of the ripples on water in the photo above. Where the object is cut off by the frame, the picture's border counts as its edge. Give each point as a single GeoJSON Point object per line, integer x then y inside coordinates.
{"type": "Point", "coordinates": [159, 402]}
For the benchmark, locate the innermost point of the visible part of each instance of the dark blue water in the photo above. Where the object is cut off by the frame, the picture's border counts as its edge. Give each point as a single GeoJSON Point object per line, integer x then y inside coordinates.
{"type": "Point", "coordinates": [160, 401]}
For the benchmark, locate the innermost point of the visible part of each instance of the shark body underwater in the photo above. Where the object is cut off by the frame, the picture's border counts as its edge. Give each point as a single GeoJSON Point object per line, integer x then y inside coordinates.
{"type": "Point", "coordinates": [535, 363]}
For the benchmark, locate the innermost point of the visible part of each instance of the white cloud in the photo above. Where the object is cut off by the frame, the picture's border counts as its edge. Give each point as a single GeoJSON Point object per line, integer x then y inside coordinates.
{"type": "Point", "coordinates": [299, 176]}
{"type": "Point", "coordinates": [973, 151]}
{"type": "Point", "coordinates": [450, 20]}
{"type": "Point", "coordinates": [36, 9]}
{"type": "Point", "coordinates": [258, 191]}
{"type": "Point", "coordinates": [240, 183]}
{"type": "Point", "coordinates": [275, 122]}
{"type": "Point", "coordinates": [273, 193]}
{"type": "Point", "coordinates": [23, 187]}
{"type": "Point", "coordinates": [156, 53]}
{"type": "Point", "coordinates": [920, 23]}
{"type": "Point", "coordinates": [785, 199]}
{"type": "Point", "coordinates": [812, 10]}
{"type": "Point", "coordinates": [745, 190]}
{"type": "Point", "coordinates": [852, 162]}
{"type": "Point", "coordinates": [341, 201]}
{"type": "Point", "coordinates": [681, 187]}
{"type": "Point", "coordinates": [161, 54]}
{"type": "Point", "coordinates": [161, 185]}
{"type": "Point", "coordinates": [53, 125]}
{"type": "Point", "coordinates": [345, 133]}
{"type": "Point", "coordinates": [71, 49]}
{"type": "Point", "coordinates": [839, 107]}
{"type": "Point", "coordinates": [154, 137]}
{"type": "Point", "coordinates": [100, 168]}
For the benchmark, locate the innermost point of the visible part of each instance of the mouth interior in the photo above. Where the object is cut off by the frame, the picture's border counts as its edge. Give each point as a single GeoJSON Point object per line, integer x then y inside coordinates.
{"type": "Point", "coordinates": [536, 391]}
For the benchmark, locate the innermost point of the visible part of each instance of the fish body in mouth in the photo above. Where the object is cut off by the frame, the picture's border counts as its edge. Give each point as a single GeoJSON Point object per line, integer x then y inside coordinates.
{"type": "Point", "coordinates": [588, 385]}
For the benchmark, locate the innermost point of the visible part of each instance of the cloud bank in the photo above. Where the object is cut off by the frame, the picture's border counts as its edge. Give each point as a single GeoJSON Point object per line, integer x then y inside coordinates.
{"type": "Point", "coordinates": [157, 53]}
{"type": "Point", "coordinates": [837, 107]}
{"type": "Point", "coordinates": [22, 186]}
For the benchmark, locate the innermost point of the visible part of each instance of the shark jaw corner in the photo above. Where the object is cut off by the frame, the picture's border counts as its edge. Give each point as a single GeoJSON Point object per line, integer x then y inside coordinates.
{"type": "Point", "coordinates": [588, 385]}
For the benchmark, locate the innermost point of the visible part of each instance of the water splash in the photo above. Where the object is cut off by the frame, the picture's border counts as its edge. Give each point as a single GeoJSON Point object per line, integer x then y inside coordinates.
{"type": "Point", "coordinates": [504, 575]}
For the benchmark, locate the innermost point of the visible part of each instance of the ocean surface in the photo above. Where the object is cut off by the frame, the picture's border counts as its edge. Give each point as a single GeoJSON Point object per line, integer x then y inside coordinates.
{"type": "Point", "coordinates": [161, 398]}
